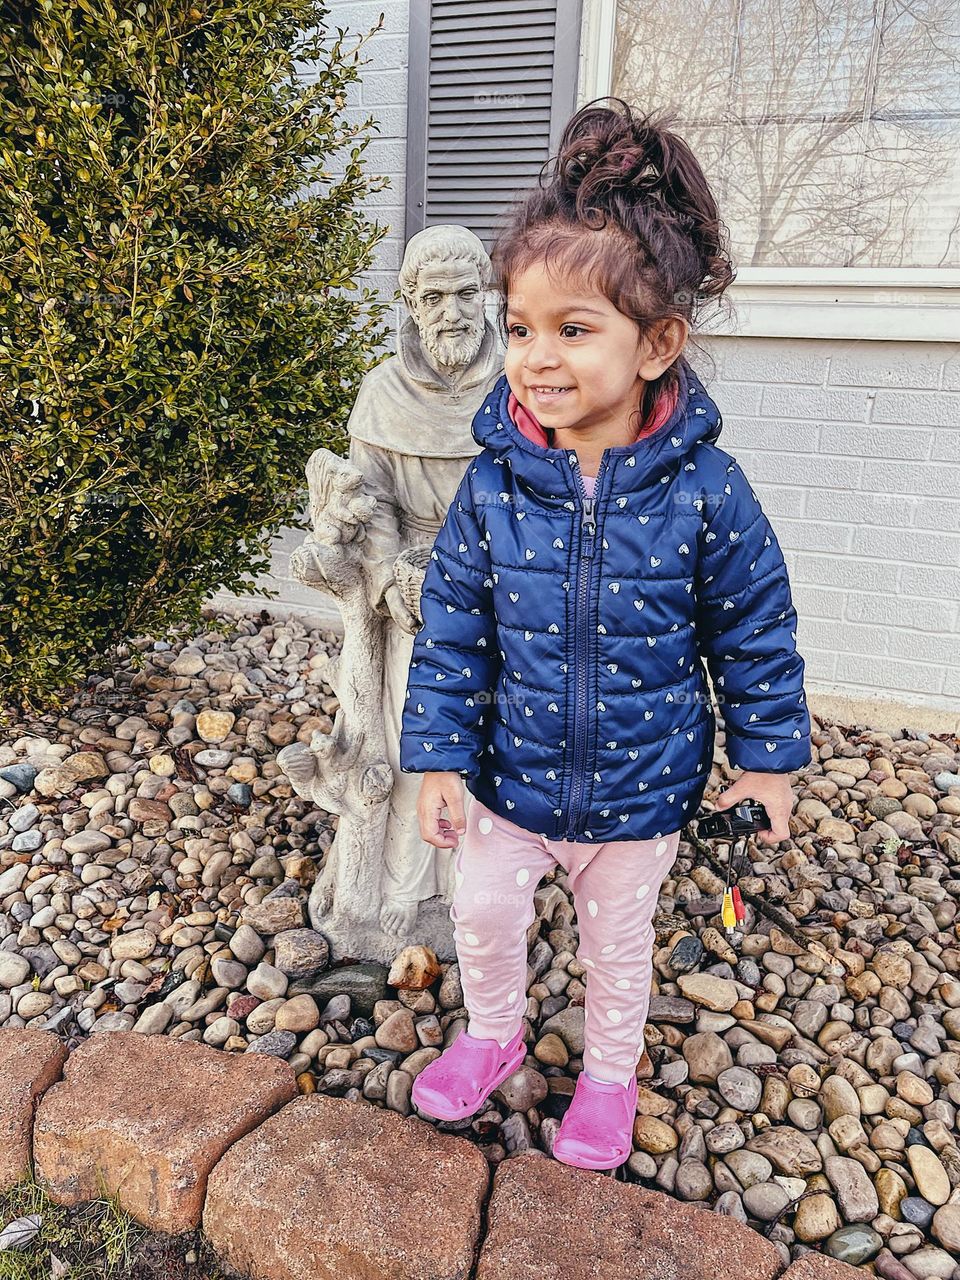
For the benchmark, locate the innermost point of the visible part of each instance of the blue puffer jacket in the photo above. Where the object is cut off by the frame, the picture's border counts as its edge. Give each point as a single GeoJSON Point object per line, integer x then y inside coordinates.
{"type": "Point", "coordinates": [560, 665]}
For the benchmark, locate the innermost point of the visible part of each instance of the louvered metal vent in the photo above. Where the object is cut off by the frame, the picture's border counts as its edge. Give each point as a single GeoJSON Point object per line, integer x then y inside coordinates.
{"type": "Point", "coordinates": [491, 86]}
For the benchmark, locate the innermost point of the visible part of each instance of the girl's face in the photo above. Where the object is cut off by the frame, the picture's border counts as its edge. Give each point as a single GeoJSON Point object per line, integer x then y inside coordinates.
{"type": "Point", "coordinates": [561, 338]}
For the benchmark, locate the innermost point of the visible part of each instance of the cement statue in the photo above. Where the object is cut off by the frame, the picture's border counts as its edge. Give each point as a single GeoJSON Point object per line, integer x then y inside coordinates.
{"type": "Point", "coordinates": [375, 516]}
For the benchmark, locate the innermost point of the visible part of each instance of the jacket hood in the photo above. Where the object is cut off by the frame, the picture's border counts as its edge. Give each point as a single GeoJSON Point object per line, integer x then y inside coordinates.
{"type": "Point", "coordinates": [550, 472]}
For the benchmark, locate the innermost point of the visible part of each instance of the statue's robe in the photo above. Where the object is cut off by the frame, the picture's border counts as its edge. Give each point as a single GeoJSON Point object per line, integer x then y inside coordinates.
{"type": "Point", "coordinates": [410, 436]}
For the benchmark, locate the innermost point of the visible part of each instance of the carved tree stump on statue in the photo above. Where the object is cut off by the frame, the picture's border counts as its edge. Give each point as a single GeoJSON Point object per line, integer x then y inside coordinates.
{"type": "Point", "coordinates": [347, 772]}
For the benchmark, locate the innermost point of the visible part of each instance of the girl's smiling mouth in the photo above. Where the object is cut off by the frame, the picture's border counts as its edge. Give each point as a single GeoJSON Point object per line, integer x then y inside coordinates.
{"type": "Point", "coordinates": [546, 396]}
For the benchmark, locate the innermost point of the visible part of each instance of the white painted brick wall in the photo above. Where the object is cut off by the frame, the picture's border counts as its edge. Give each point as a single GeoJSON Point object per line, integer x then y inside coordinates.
{"type": "Point", "coordinates": [853, 448]}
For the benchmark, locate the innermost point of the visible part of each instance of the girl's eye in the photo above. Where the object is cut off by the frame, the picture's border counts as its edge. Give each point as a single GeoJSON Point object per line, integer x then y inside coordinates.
{"type": "Point", "coordinates": [579, 328]}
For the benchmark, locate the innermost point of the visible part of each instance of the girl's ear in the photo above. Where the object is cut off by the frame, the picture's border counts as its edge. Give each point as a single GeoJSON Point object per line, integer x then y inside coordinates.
{"type": "Point", "coordinates": [661, 346]}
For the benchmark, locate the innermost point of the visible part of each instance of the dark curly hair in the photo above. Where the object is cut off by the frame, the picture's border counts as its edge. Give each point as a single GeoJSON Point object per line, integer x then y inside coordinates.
{"type": "Point", "coordinates": [660, 248]}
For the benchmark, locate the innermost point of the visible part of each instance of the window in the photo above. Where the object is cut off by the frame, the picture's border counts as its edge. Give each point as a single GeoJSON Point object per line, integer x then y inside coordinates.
{"type": "Point", "coordinates": [830, 133]}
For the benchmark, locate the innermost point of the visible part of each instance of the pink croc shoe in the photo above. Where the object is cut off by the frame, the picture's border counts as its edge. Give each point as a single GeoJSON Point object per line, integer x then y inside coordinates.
{"type": "Point", "coordinates": [597, 1130]}
{"type": "Point", "coordinates": [457, 1084]}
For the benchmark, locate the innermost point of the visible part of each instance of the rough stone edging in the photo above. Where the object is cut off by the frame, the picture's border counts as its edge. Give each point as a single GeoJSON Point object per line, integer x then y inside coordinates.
{"type": "Point", "coordinates": [104, 1119]}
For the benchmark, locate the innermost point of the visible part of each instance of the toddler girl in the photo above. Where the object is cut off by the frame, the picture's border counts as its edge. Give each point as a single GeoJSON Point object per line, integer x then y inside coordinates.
{"type": "Point", "coordinates": [600, 549]}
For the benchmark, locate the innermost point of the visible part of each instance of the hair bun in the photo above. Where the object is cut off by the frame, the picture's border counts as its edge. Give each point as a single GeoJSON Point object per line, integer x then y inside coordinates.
{"type": "Point", "coordinates": [636, 167]}
{"type": "Point", "coordinates": [605, 150]}
{"type": "Point", "coordinates": [577, 163]}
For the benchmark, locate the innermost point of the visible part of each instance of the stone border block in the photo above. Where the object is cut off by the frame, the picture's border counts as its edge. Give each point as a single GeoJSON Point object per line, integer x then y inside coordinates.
{"type": "Point", "coordinates": [148, 1117]}
{"type": "Point", "coordinates": [335, 1188]}
{"type": "Point", "coordinates": [550, 1221]}
{"type": "Point", "coordinates": [30, 1062]}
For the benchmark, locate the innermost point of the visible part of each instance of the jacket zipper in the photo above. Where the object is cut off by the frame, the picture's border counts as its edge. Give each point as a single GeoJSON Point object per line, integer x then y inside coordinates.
{"type": "Point", "coordinates": [588, 533]}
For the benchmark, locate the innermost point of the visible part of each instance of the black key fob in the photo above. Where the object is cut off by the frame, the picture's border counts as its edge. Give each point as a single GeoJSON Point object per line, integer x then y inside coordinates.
{"type": "Point", "coordinates": [742, 820]}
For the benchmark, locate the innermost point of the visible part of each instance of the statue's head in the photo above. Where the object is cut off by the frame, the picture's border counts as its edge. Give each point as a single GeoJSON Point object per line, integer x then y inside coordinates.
{"type": "Point", "coordinates": [443, 281]}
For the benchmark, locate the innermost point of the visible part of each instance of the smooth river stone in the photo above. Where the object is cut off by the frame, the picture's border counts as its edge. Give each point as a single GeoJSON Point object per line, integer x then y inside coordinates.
{"type": "Point", "coordinates": [946, 1227]}
{"type": "Point", "coordinates": [914, 1090]}
{"type": "Point", "coordinates": [136, 945]}
{"type": "Point", "coordinates": [917, 1211]}
{"type": "Point", "coordinates": [724, 1138]}
{"type": "Point", "coordinates": [873, 1099]}
{"type": "Point", "coordinates": [693, 1181]}
{"type": "Point", "coordinates": [855, 1244]}
{"type": "Point", "coordinates": [804, 1113]}
{"type": "Point", "coordinates": [838, 1098]}
{"type": "Point", "coordinates": [653, 1135]}
{"type": "Point", "coordinates": [719, 994]}
{"type": "Point", "coordinates": [789, 1150]}
{"type": "Point", "coordinates": [856, 1193]}
{"type": "Point", "coordinates": [765, 1200]}
{"type": "Point", "coordinates": [686, 955]}
{"type": "Point", "coordinates": [728, 1205]}
{"type": "Point", "coordinates": [891, 1191]}
{"type": "Point", "coordinates": [748, 1167]}
{"type": "Point", "coordinates": [707, 1055]}
{"type": "Point", "coordinates": [932, 1181]}
{"type": "Point", "coordinates": [672, 1009]}
{"type": "Point", "coordinates": [214, 725]}
{"type": "Point", "coordinates": [816, 1218]}
{"type": "Point", "coordinates": [891, 1268]}
{"type": "Point", "coordinates": [740, 1088]}
{"type": "Point", "coordinates": [930, 1263]}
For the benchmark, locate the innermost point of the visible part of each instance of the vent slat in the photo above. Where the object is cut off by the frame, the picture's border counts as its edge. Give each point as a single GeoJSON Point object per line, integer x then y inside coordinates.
{"type": "Point", "coordinates": [474, 121]}
{"type": "Point", "coordinates": [537, 94]}
{"type": "Point", "coordinates": [455, 186]}
{"type": "Point", "coordinates": [515, 79]}
{"type": "Point", "coordinates": [492, 206]}
{"type": "Point", "coordinates": [441, 167]}
{"type": "Point", "coordinates": [513, 68]}
{"type": "Point", "coordinates": [494, 35]}
{"type": "Point", "coordinates": [506, 10]}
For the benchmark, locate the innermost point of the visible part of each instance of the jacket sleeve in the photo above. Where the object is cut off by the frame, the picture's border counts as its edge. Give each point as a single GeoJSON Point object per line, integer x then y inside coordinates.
{"type": "Point", "coordinates": [746, 631]}
{"type": "Point", "coordinates": [456, 653]}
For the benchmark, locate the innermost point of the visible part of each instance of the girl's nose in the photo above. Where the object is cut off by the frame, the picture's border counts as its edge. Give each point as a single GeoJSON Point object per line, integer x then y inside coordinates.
{"type": "Point", "coordinates": [541, 357]}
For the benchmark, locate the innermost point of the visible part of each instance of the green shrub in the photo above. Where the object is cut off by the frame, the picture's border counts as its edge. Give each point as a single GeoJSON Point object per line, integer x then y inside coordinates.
{"type": "Point", "coordinates": [180, 324]}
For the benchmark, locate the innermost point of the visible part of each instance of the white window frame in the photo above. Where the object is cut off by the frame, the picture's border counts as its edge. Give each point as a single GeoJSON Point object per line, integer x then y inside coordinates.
{"type": "Point", "coordinates": [901, 304]}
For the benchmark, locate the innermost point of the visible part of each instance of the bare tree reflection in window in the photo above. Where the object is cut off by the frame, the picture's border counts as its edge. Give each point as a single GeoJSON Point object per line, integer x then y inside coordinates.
{"type": "Point", "coordinates": [830, 131]}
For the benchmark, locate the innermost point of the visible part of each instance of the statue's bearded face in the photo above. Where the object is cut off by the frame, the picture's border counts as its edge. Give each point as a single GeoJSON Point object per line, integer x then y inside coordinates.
{"type": "Point", "coordinates": [448, 310]}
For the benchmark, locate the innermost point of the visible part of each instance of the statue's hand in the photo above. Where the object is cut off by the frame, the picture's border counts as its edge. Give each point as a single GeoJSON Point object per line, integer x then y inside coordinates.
{"type": "Point", "coordinates": [401, 615]}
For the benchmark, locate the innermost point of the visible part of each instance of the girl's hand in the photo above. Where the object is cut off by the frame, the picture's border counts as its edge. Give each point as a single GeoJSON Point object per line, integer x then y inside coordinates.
{"type": "Point", "coordinates": [439, 790]}
{"type": "Point", "coordinates": [773, 791]}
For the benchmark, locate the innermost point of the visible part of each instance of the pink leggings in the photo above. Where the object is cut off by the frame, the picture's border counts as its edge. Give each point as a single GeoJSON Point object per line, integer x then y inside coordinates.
{"type": "Point", "coordinates": [615, 887]}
